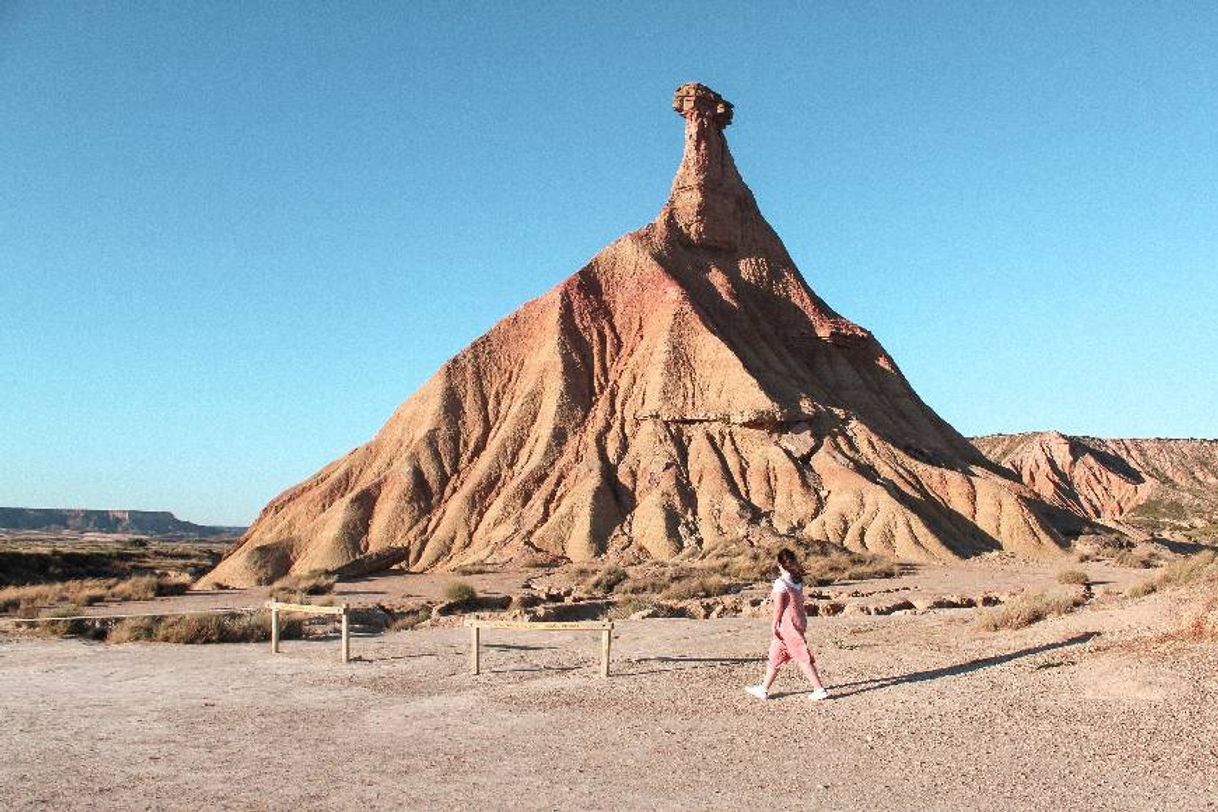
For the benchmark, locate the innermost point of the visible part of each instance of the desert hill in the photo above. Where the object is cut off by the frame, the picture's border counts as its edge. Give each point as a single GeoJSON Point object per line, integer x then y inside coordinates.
{"type": "Point", "coordinates": [140, 522]}
{"type": "Point", "coordinates": [1153, 485]}
{"type": "Point", "coordinates": [684, 392]}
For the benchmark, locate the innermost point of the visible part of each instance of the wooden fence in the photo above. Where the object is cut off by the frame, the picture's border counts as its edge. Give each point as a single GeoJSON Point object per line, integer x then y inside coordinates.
{"type": "Point", "coordinates": [605, 627]}
{"type": "Point", "coordinates": [342, 612]}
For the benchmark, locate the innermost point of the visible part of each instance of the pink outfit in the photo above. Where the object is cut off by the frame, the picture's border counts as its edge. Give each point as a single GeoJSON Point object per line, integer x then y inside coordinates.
{"type": "Point", "coordinates": [788, 643]}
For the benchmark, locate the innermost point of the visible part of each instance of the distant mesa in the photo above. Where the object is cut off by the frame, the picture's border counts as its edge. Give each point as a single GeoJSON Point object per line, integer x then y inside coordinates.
{"type": "Point", "coordinates": [684, 392]}
{"type": "Point", "coordinates": [134, 522]}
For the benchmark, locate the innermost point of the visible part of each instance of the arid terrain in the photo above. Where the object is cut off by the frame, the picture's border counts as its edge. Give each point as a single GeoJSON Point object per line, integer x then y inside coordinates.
{"type": "Point", "coordinates": [30, 557]}
{"type": "Point", "coordinates": [1010, 622]}
{"type": "Point", "coordinates": [1106, 707]}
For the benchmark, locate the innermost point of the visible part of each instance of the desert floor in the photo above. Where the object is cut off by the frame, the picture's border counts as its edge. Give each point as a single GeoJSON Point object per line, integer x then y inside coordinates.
{"type": "Point", "coordinates": [927, 712]}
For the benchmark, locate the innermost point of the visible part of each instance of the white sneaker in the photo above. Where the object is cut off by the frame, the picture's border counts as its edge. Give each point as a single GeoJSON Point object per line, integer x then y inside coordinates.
{"type": "Point", "coordinates": [818, 695]}
{"type": "Point", "coordinates": [757, 691]}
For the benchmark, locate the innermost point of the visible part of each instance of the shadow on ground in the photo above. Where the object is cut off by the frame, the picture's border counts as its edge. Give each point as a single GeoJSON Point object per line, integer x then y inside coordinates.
{"type": "Point", "coordinates": [695, 662]}
{"type": "Point", "coordinates": [959, 669]}
{"type": "Point", "coordinates": [517, 647]}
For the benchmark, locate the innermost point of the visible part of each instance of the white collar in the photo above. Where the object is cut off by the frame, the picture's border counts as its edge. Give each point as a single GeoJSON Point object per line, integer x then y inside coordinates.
{"type": "Point", "coordinates": [786, 578]}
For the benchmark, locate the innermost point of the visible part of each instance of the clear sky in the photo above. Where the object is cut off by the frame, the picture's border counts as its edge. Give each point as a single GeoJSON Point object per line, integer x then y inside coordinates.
{"type": "Point", "coordinates": [233, 237]}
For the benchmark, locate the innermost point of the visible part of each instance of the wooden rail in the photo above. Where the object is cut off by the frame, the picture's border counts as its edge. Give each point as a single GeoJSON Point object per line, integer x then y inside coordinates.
{"type": "Point", "coordinates": [235, 610]}
{"type": "Point", "coordinates": [343, 611]}
{"type": "Point", "coordinates": [605, 627]}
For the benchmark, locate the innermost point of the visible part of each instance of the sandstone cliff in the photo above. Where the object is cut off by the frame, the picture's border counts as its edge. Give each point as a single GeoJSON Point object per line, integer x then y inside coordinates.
{"type": "Point", "coordinates": [685, 389]}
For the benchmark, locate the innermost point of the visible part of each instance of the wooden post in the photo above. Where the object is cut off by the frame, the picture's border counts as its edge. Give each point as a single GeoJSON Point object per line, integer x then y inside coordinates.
{"type": "Point", "coordinates": [274, 630]}
{"type": "Point", "coordinates": [605, 627]}
{"type": "Point", "coordinates": [346, 636]}
{"type": "Point", "coordinates": [606, 642]}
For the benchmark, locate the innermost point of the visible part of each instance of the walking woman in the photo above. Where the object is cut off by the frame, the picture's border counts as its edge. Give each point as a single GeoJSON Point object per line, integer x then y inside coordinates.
{"type": "Point", "coordinates": [790, 621]}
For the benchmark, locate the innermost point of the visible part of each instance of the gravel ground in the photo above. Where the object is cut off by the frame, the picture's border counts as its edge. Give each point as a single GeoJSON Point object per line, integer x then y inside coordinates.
{"type": "Point", "coordinates": [927, 713]}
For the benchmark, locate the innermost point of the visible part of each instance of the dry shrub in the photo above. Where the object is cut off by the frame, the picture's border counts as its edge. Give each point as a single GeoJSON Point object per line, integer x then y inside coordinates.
{"type": "Point", "coordinates": [1073, 577]}
{"type": "Point", "coordinates": [849, 566]}
{"type": "Point", "coordinates": [293, 588]}
{"type": "Point", "coordinates": [84, 592]}
{"type": "Point", "coordinates": [1142, 588]}
{"type": "Point", "coordinates": [63, 628]}
{"type": "Point", "coordinates": [701, 586]}
{"type": "Point", "coordinates": [474, 569]}
{"type": "Point", "coordinates": [248, 627]}
{"type": "Point", "coordinates": [132, 629]}
{"type": "Point", "coordinates": [174, 585]}
{"type": "Point", "coordinates": [1192, 569]}
{"type": "Point", "coordinates": [21, 598]}
{"type": "Point", "coordinates": [140, 588]}
{"type": "Point", "coordinates": [1026, 609]}
{"type": "Point", "coordinates": [1198, 567]}
{"type": "Point", "coordinates": [825, 563]}
{"type": "Point", "coordinates": [460, 592]}
{"type": "Point", "coordinates": [409, 619]}
{"type": "Point", "coordinates": [654, 581]}
{"type": "Point", "coordinates": [584, 571]}
{"type": "Point", "coordinates": [607, 580]}
{"type": "Point", "coordinates": [1135, 559]}
{"type": "Point", "coordinates": [88, 591]}
{"type": "Point", "coordinates": [747, 564]}
{"type": "Point", "coordinates": [671, 582]}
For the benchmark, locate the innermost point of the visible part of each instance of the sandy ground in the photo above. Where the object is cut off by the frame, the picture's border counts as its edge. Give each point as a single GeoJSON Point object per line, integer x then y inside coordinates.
{"type": "Point", "coordinates": [927, 713]}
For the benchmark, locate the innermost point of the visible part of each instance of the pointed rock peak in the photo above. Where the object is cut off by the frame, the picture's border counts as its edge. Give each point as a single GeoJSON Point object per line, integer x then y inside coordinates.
{"type": "Point", "coordinates": [709, 201]}
{"type": "Point", "coordinates": [693, 100]}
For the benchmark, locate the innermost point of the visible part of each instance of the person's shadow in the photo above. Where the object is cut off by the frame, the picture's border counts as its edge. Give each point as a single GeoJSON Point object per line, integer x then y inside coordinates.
{"type": "Point", "coordinates": [863, 686]}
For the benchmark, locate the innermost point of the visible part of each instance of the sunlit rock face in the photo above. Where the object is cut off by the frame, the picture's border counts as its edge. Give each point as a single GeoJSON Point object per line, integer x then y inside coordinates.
{"type": "Point", "coordinates": [709, 199]}
{"type": "Point", "coordinates": [682, 393]}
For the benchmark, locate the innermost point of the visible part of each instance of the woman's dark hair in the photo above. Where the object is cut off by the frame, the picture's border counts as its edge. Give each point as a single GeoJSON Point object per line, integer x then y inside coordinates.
{"type": "Point", "coordinates": [788, 561]}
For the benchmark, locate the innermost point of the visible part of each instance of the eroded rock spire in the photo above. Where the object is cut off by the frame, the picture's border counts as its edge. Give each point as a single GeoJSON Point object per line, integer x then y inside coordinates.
{"type": "Point", "coordinates": [684, 394]}
{"type": "Point", "coordinates": [709, 200]}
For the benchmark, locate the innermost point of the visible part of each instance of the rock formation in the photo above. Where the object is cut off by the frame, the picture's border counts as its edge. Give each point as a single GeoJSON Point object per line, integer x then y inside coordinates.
{"type": "Point", "coordinates": [684, 390]}
{"type": "Point", "coordinates": [73, 520]}
{"type": "Point", "coordinates": [1152, 484]}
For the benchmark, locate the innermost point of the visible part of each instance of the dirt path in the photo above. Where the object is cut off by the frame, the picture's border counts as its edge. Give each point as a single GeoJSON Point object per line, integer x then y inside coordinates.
{"type": "Point", "coordinates": [927, 714]}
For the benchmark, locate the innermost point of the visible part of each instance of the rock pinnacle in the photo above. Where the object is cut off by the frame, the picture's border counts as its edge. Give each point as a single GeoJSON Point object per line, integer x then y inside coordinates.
{"type": "Point", "coordinates": [709, 199]}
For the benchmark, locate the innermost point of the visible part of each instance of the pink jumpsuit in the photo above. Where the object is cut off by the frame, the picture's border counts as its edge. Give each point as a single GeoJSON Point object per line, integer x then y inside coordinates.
{"type": "Point", "coordinates": [788, 643]}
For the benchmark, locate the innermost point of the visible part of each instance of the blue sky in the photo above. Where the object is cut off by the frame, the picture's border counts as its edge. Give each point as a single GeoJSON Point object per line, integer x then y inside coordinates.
{"type": "Point", "coordinates": [233, 237]}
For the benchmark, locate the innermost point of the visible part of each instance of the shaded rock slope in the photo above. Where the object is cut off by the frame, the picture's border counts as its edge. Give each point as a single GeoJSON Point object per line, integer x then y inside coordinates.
{"type": "Point", "coordinates": [1148, 484]}
{"type": "Point", "coordinates": [683, 391]}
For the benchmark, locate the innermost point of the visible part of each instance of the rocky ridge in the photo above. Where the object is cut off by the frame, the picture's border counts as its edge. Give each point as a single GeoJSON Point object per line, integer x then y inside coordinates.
{"type": "Point", "coordinates": [1149, 485]}
{"type": "Point", "coordinates": [74, 520]}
